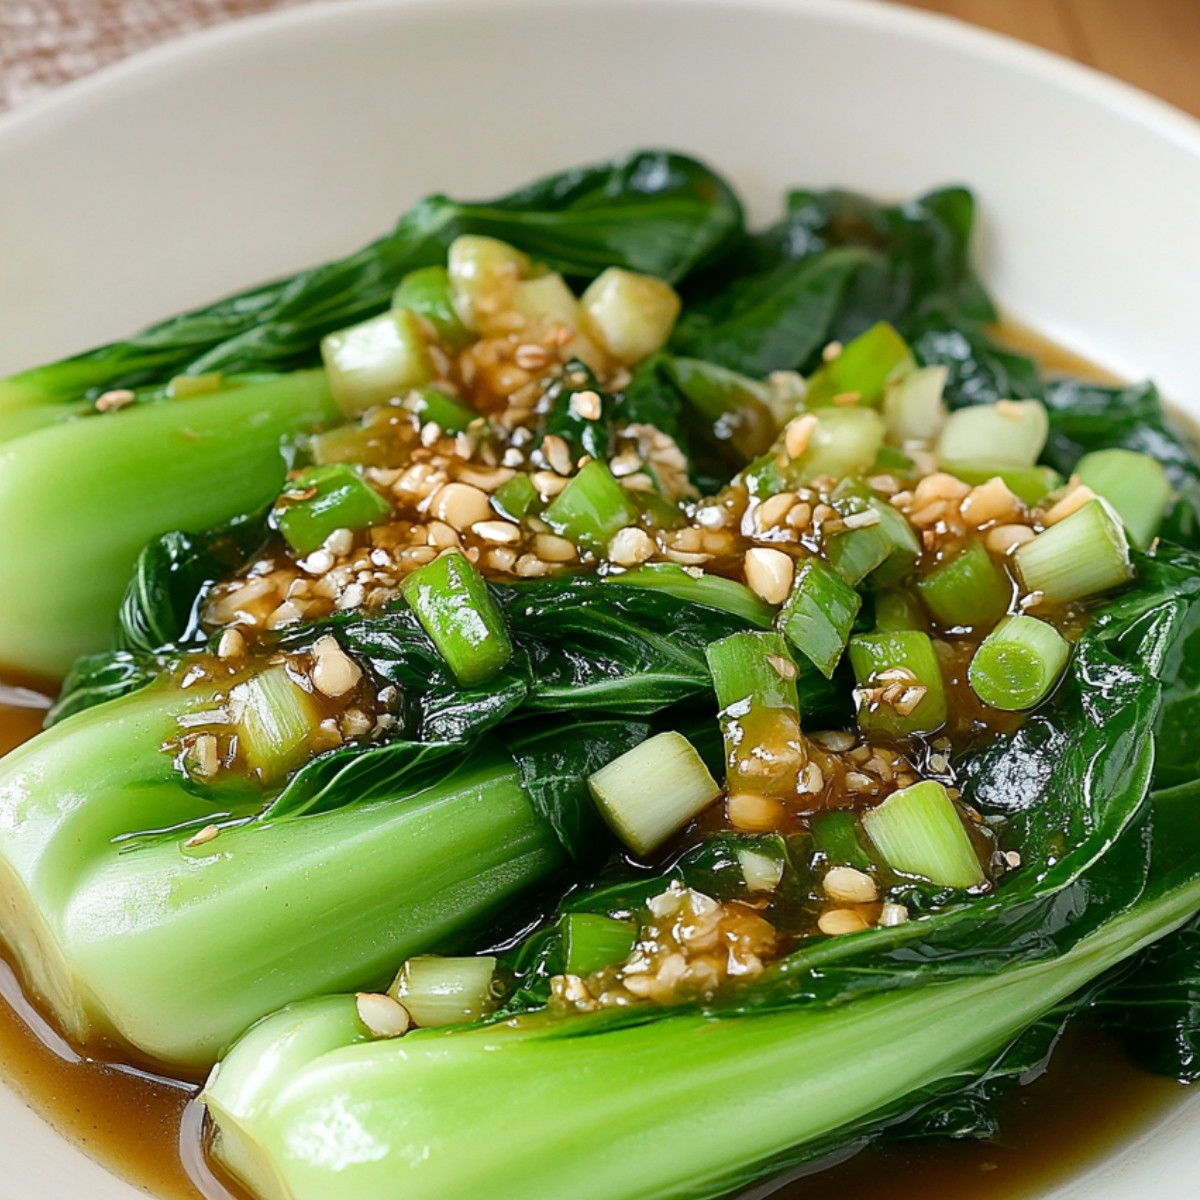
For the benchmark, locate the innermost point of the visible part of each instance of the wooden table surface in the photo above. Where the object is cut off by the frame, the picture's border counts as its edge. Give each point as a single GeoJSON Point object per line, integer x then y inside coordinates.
{"type": "Point", "coordinates": [1152, 43]}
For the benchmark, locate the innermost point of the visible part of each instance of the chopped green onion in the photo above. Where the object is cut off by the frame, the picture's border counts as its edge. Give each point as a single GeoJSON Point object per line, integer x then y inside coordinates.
{"type": "Point", "coordinates": [1031, 485]}
{"type": "Point", "coordinates": [516, 498]}
{"type": "Point", "coordinates": [1134, 484]}
{"type": "Point", "coordinates": [547, 298]}
{"type": "Point", "coordinates": [323, 499]}
{"type": "Point", "coordinates": [864, 368]}
{"type": "Point", "coordinates": [835, 835]}
{"type": "Point", "coordinates": [762, 872]}
{"type": "Point", "coordinates": [591, 508]}
{"type": "Point", "coordinates": [897, 609]}
{"type": "Point", "coordinates": [592, 942]}
{"type": "Point", "coordinates": [970, 589]}
{"type": "Point", "coordinates": [714, 591]}
{"type": "Point", "coordinates": [653, 791]}
{"type": "Point", "coordinates": [275, 717]}
{"type": "Point", "coordinates": [184, 387]}
{"type": "Point", "coordinates": [886, 550]}
{"type": "Point", "coordinates": [427, 292]}
{"type": "Point", "coordinates": [737, 409]}
{"type": "Point", "coordinates": [900, 688]}
{"type": "Point", "coordinates": [376, 360]}
{"type": "Point", "coordinates": [630, 316]}
{"type": "Point", "coordinates": [845, 442]}
{"type": "Point", "coordinates": [483, 276]}
{"type": "Point", "coordinates": [454, 606]}
{"type": "Point", "coordinates": [913, 408]}
{"type": "Point", "coordinates": [1083, 555]}
{"type": "Point", "coordinates": [1013, 433]}
{"type": "Point", "coordinates": [1018, 663]}
{"type": "Point", "coordinates": [819, 614]}
{"type": "Point", "coordinates": [445, 991]}
{"type": "Point", "coordinates": [747, 667]}
{"type": "Point", "coordinates": [918, 831]}
{"type": "Point", "coordinates": [890, 461]}
{"type": "Point", "coordinates": [432, 405]}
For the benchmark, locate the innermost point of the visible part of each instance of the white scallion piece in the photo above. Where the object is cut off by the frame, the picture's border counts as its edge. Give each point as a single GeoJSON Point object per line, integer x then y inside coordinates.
{"type": "Point", "coordinates": [913, 408]}
{"type": "Point", "coordinates": [1084, 555]}
{"type": "Point", "coordinates": [1011, 433]}
{"type": "Point", "coordinates": [652, 791]}
{"type": "Point", "coordinates": [445, 991]}
{"type": "Point", "coordinates": [369, 363]}
{"type": "Point", "coordinates": [761, 872]}
{"type": "Point", "coordinates": [628, 315]}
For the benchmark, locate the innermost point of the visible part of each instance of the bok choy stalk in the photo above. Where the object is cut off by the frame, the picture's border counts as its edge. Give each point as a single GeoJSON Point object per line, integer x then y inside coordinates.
{"type": "Point", "coordinates": [682, 1105]}
{"type": "Point", "coordinates": [838, 1038]}
{"type": "Point", "coordinates": [79, 500]}
{"type": "Point", "coordinates": [140, 910]}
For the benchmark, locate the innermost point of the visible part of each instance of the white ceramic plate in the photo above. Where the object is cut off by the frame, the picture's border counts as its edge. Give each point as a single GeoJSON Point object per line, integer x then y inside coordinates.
{"type": "Point", "coordinates": [265, 145]}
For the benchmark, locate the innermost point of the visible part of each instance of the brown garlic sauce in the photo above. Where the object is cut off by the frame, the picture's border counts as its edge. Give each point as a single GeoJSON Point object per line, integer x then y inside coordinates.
{"type": "Point", "coordinates": [145, 1128]}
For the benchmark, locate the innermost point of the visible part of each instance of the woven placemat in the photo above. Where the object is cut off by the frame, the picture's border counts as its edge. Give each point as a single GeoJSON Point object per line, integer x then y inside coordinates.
{"type": "Point", "coordinates": [45, 43]}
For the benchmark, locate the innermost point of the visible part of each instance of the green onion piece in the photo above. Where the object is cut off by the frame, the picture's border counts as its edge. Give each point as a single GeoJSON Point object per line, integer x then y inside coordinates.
{"type": "Point", "coordinates": [483, 276]}
{"type": "Point", "coordinates": [454, 606]}
{"type": "Point", "coordinates": [653, 791]}
{"type": "Point", "coordinates": [819, 614]}
{"type": "Point", "coordinates": [591, 508]}
{"type": "Point", "coordinates": [1018, 663]}
{"type": "Point", "coordinates": [628, 315]}
{"type": "Point", "coordinates": [376, 360]}
{"type": "Point", "coordinates": [1083, 555]}
{"type": "Point", "coordinates": [762, 872]}
{"type": "Point", "coordinates": [913, 408]}
{"type": "Point", "coordinates": [900, 683]}
{"type": "Point", "coordinates": [184, 387]}
{"type": "Point", "coordinates": [737, 409]}
{"type": "Point", "coordinates": [432, 405]}
{"type": "Point", "coordinates": [1031, 485]}
{"type": "Point", "coordinates": [274, 716]}
{"type": "Point", "coordinates": [970, 589]}
{"type": "Point", "coordinates": [445, 991]}
{"type": "Point", "coordinates": [427, 292]}
{"type": "Point", "coordinates": [886, 550]}
{"type": "Point", "coordinates": [865, 366]}
{"type": "Point", "coordinates": [1012, 433]}
{"type": "Point", "coordinates": [747, 667]}
{"type": "Point", "coordinates": [890, 461]}
{"type": "Point", "coordinates": [592, 942]}
{"type": "Point", "coordinates": [918, 831]}
{"type": "Point", "coordinates": [1134, 484]}
{"type": "Point", "coordinates": [340, 499]}
{"type": "Point", "coordinates": [835, 835]}
{"type": "Point", "coordinates": [714, 591]}
{"type": "Point", "coordinates": [658, 512]}
{"type": "Point", "coordinates": [897, 609]}
{"type": "Point", "coordinates": [845, 442]}
{"type": "Point", "coordinates": [517, 498]}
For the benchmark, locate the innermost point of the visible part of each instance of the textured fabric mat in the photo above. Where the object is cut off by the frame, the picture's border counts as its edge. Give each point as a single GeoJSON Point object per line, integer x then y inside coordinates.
{"type": "Point", "coordinates": [45, 43]}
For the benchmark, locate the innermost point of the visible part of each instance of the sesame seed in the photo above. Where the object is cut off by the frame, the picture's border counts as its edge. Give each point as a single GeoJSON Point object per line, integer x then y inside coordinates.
{"type": "Point", "coordinates": [845, 885]}
{"type": "Point", "coordinates": [783, 667]}
{"type": "Point", "coordinates": [382, 1016]}
{"type": "Point", "coordinates": [586, 405]}
{"type": "Point", "coordinates": [630, 546]}
{"type": "Point", "coordinates": [768, 573]}
{"type": "Point", "coordinates": [231, 645]}
{"type": "Point", "coordinates": [557, 454]}
{"type": "Point", "coordinates": [799, 434]}
{"type": "Point", "coordinates": [831, 351]}
{"type": "Point", "coordinates": [203, 836]}
{"type": "Point", "coordinates": [334, 672]}
{"type": "Point", "coordinates": [892, 914]}
{"type": "Point", "coordinates": [838, 921]}
{"type": "Point", "coordinates": [501, 532]}
{"type": "Point", "coordinates": [114, 399]}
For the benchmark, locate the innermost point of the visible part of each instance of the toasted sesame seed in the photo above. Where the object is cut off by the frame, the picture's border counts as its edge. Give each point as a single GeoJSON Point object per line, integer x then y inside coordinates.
{"type": "Point", "coordinates": [340, 542]}
{"type": "Point", "coordinates": [231, 645]}
{"type": "Point", "coordinates": [318, 562]}
{"type": "Point", "coordinates": [382, 1016]}
{"type": "Point", "coordinates": [114, 399]}
{"type": "Point", "coordinates": [834, 739]}
{"type": "Point", "coordinates": [625, 463]}
{"type": "Point", "coordinates": [799, 434]}
{"type": "Point", "coordinates": [846, 399]}
{"type": "Point", "coordinates": [783, 667]}
{"type": "Point", "coordinates": [752, 812]}
{"type": "Point", "coordinates": [772, 512]}
{"type": "Point", "coordinates": [769, 573]}
{"type": "Point", "coordinates": [503, 533]}
{"type": "Point", "coordinates": [831, 351]}
{"type": "Point", "coordinates": [203, 836]}
{"type": "Point", "coordinates": [531, 357]}
{"type": "Point", "coordinates": [586, 405]}
{"type": "Point", "coordinates": [1071, 503]}
{"type": "Point", "coordinates": [548, 483]}
{"type": "Point", "coordinates": [334, 672]}
{"type": "Point", "coordinates": [557, 454]}
{"type": "Point", "coordinates": [529, 566]}
{"type": "Point", "coordinates": [1005, 538]}
{"type": "Point", "coordinates": [845, 885]}
{"type": "Point", "coordinates": [460, 505]}
{"type": "Point", "coordinates": [630, 546]}
{"type": "Point", "coordinates": [431, 431]}
{"type": "Point", "coordinates": [838, 921]}
{"type": "Point", "coordinates": [551, 548]}
{"type": "Point", "coordinates": [811, 781]}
